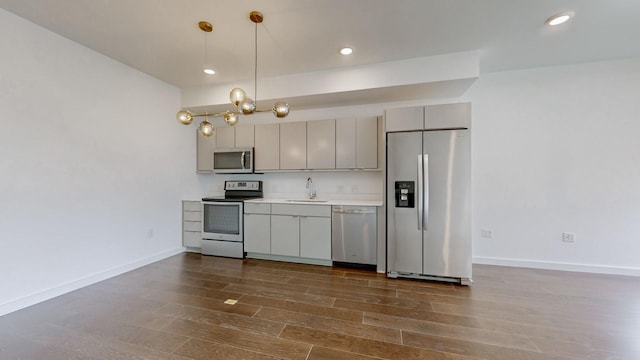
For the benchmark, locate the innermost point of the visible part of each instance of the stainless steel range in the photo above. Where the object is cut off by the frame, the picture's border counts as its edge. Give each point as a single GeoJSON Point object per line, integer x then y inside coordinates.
{"type": "Point", "coordinates": [222, 219]}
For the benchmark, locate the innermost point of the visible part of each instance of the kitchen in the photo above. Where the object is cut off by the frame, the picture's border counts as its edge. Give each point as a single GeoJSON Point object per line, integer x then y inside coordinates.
{"type": "Point", "coordinates": [73, 165]}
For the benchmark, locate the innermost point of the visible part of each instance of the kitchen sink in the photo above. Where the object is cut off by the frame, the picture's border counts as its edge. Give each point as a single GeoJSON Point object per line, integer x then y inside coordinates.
{"type": "Point", "coordinates": [306, 201]}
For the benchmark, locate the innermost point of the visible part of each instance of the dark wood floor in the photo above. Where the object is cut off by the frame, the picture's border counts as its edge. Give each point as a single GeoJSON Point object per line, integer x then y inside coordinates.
{"type": "Point", "coordinates": [174, 309]}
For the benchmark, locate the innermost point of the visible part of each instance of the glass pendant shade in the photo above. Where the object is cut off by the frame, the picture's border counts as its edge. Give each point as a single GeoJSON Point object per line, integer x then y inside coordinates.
{"type": "Point", "coordinates": [280, 109]}
{"type": "Point", "coordinates": [231, 118]}
{"type": "Point", "coordinates": [184, 117]}
{"type": "Point", "coordinates": [247, 106]}
{"type": "Point", "coordinates": [206, 128]}
{"type": "Point", "coordinates": [237, 95]}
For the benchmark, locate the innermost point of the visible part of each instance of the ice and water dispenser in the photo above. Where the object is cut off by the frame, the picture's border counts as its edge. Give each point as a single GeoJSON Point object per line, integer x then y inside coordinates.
{"type": "Point", "coordinates": [405, 194]}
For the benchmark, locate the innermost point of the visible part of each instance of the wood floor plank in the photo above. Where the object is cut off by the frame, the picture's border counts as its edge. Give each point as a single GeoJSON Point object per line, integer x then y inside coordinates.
{"type": "Point", "coordinates": [380, 333]}
{"type": "Point", "coordinates": [410, 313]}
{"type": "Point", "coordinates": [323, 353]}
{"type": "Point", "coordinates": [353, 285]}
{"type": "Point", "coordinates": [504, 339]}
{"type": "Point", "coordinates": [356, 295]}
{"type": "Point", "coordinates": [359, 346]}
{"type": "Point", "coordinates": [222, 319]}
{"type": "Point", "coordinates": [322, 311]}
{"type": "Point", "coordinates": [89, 346]}
{"type": "Point", "coordinates": [267, 345]}
{"type": "Point", "coordinates": [104, 326]}
{"type": "Point", "coordinates": [300, 296]}
{"type": "Point", "coordinates": [204, 350]}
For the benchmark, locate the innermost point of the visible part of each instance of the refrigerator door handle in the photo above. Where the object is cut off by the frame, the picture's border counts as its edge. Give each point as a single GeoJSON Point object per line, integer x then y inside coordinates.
{"type": "Point", "coordinates": [425, 219]}
{"type": "Point", "coordinates": [419, 190]}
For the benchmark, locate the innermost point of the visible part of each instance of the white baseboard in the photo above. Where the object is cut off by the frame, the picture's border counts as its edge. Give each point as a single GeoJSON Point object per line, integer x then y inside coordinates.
{"type": "Point", "coordinates": [33, 299]}
{"type": "Point", "coordinates": [535, 264]}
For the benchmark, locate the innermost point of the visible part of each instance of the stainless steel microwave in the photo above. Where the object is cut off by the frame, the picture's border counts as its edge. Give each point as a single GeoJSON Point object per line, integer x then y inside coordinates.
{"type": "Point", "coordinates": [233, 160]}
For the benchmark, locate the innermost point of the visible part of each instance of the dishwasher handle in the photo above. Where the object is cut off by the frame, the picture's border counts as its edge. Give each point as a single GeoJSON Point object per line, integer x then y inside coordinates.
{"type": "Point", "coordinates": [349, 211]}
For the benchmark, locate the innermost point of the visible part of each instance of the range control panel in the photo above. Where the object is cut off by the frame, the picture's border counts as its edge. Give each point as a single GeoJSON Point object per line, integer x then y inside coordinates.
{"type": "Point", "coordinates": [243, 185]}
{"type": "Point", "coordinates": [405, 194]}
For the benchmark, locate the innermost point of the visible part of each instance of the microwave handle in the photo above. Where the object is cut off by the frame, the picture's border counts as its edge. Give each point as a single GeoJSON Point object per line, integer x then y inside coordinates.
{"type": "Point", "coordinates": [242, 160]}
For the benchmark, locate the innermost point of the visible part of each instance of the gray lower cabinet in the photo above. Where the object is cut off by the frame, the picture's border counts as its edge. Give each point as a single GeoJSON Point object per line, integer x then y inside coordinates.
{"type": "Point", "coordinates": [191, 225]}
{"type": "Point", "coordinates": [314, 232]}
{"type": "Point", "coordinates": [285, 235]}
{"type": "Point", "coordinates": [288, 230]}
{"type": "Point", "coordinates": [257, 228]}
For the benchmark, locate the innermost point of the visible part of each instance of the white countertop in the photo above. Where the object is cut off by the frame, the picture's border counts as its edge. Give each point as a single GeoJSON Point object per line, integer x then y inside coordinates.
{"type": "Point", "coordinates": [302, 201]}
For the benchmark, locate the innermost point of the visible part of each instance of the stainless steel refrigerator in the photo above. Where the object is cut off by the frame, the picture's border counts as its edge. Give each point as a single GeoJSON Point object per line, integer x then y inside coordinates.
{"type": "Point", "coordinates": [428, 205]}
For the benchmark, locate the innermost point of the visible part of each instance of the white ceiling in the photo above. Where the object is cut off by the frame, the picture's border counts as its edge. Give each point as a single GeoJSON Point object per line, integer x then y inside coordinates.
{"type": "Point", "coordinates": [161, 37]}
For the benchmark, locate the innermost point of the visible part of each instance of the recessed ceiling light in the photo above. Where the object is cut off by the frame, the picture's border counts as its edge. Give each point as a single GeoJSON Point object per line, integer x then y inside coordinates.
{"type": "Point", "coordinates": [346, 51]}
{"type": "Point", "coordinates": [559, 19]}
{"type": "Point", "coordinates": [209, 71]}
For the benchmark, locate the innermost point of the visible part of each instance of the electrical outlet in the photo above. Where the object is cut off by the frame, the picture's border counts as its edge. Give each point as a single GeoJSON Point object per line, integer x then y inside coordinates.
{"type": "Point", "coordinates": [487, 233]}
{"type": "Point", "coordinates": [568, 237]}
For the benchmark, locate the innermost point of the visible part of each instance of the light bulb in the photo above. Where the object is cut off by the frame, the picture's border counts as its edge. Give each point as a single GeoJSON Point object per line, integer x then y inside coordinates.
{"type": "Point", "coordinates": [247, 106]}
{"type": "Point", "coordinates": [237, 95]}
{"type": "Point", "coordinates": [184, 117]}
{"type": "Point", "coordinates": [206, 128]}
{"type": "Point", "coordinates": [346, 51]}
{"type": "Point", "coordinates": [231, 118]}
{"type": "Point", "coordinates": [280, 109]}
{"type": "Point", "coordinates": [209, 71]}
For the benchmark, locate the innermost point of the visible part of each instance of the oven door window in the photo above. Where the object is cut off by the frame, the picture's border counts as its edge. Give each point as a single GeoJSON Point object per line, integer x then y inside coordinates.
{"type": "Point", "coordinates": [222, 219]}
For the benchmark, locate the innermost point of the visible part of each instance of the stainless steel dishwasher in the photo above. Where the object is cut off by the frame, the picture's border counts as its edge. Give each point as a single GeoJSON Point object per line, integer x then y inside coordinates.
{"type": "Point", "coordinates": [354, 234]}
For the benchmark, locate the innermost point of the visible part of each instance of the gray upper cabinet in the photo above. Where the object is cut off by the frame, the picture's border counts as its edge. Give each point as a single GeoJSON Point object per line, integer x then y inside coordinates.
{"type": "Point", "coordinates": [321, 144]}
{"type": "Point", "coordinates": [267, 147]}
{"type": "Point", "coordinates": [225, 136]}
{"type": "Point", "coordinates": [367, 142]}
{"type": "Point", "coordinates": [441, 116]}
{"type": "Point", "coordinates": [357, 143]}
{"type": "Point", "coordinates": [447, 116]}
{"type": "Point", "coordinates": [245, 135]}
{"type": "Point", "coordinates": [345, 144]}
{"type": "Point", "coordinates": [235, 136]}
{"type": "Point", "coordinates": [204, 152]}
{"type": "Point", "coordinates": [293, 146]}
{"type": "Point", "coordinates": [410, 118]}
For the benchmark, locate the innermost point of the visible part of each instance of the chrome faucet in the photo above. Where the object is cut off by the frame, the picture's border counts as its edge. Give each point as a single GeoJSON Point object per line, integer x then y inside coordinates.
{"type": "Point", "coordinates": [312, 192]}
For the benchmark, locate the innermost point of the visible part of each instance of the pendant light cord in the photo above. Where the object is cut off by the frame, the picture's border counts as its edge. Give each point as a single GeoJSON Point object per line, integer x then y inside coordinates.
{"type": "Point", "coordinates": [255, 68]}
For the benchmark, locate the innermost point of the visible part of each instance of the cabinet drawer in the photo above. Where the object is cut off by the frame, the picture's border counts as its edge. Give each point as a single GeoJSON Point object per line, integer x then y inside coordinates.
{"type": "Point", "coordinates": [191, 206]}
{"type": "Point", "coordinates": [301, 210]}
{"type": "Point", "coordinates": [192, 216]}
{"type": "Point", "coordinates": [252, 208]}
{"type": "Point", "coordinates": [191, 239]}
{"type": "Point", "coordinates": [192, 226]}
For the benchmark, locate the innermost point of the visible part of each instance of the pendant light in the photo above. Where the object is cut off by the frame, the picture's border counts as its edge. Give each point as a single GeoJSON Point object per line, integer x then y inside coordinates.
{"type": "Point", "coordinates": [243, 104]}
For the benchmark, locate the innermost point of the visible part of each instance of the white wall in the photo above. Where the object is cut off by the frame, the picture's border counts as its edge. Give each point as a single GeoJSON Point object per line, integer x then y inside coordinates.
{"type": "Point", "coordinates": [93, 166]}
{"type": "Point", "coordinates": [557, 149]}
